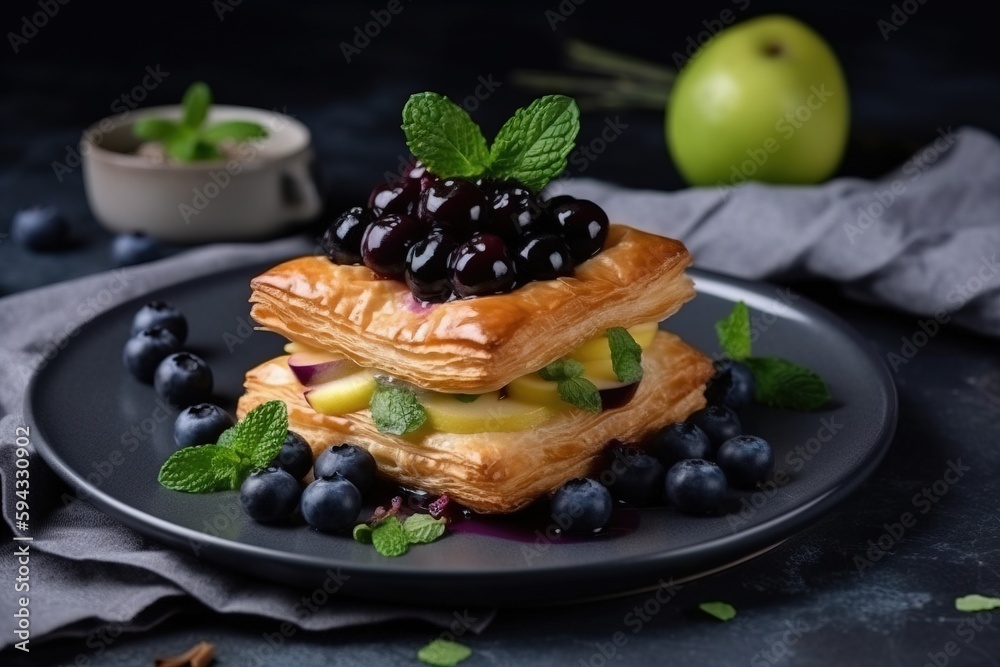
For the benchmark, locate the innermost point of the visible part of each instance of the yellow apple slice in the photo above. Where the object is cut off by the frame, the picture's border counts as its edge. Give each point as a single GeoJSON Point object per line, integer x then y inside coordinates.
{"type": "Point", "coordinates": [344, 395]}
{"type": "Point", "coordinates": [487, 414]}
{"type": "Point", "coordinates": [533, 389]}
{"type": "Point", "coordinates": [597, 348]}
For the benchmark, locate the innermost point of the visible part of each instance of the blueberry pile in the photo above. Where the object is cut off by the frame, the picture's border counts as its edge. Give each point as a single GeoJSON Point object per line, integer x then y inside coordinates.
{"type": "Point", "coordinates": [457, 238]}
{"type": "Point", "coordinates": [154, 355]}
{"type": "Point", "coordinates": [691, 464]}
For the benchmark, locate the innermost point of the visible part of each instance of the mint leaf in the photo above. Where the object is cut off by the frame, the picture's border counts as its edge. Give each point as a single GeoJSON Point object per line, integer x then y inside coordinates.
{"type": "Point", "coordinates": [443, 653]}
{"type": "Point", "coordinates": [423, 528]}
{"type": "Point", "coordinates": [580, 392]}
{"type": "Point", "coordinates": [395, 410]}
{"type": "Point", "coordinates": [466, 398]}
{"type": "Point", "coordinates": [562, 369]}
{"type": "Point", "coordinates": [721, 610]}
{"type": "Point", "coordinates": [154, 129]}
{"type": "Point", "coordinates": [259, 435]}
{"type": "Point", "coordinates": [976, 603]}
{"type": "Point", "coordinates": [734, 332]}
{"type": "Point", "coordinates": [389, 538]}
{"type": "Point", "coordinates": [626, 355]}
{"type": "Point", "coordinates": [784, 384]}
{"type": "Point", "coordinates": [443, 136]}
{"type": "Point", "coordinates": [202, 469]}
{"type": "Point", "coordinates": [197, 99]}
{"type": "Point", "coordinates": [532, 146]}
{"type": "Point", "coordinates": [237, 130]}
{"type": "Point", "coordinates": [362, 533]}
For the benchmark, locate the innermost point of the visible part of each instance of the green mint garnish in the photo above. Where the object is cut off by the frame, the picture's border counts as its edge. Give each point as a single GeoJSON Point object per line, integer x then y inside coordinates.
{"type": "Point", "coordinates": [443, 653]}
{"type": "Point", "coordinates": [189, 139]}
{"type": "Point", "coordinates": [976, 603]}
{"type": "Point", "coordinates": [533, 145]}
{"type": "Point", "coordinates": [573, 388]}
{"type": "Point", "coordinates": [784, 384]}
{"type": "Point", "coordinates": [721, 610]}
{"type": "Point", "coordinates": [423, 528]}
{"type": "Point", "coordinates": [626, 355]}
{"type": "Point", "coordinates": [466, 398]}
{"type": "Point", "coordinates": [441, 134]}
{"type": "Point", "coordinates": [734, 332]}
{"type": "Point", "coordinates": [395, 409]}
{"type": "Point", "coordinates": [362, 533]}
{"type": "Point", "coordinates": [780, 383]}
{"type": "Point", "coordinates": [389, 538]}
{"type": "Point", "coordinates": [252, 443]}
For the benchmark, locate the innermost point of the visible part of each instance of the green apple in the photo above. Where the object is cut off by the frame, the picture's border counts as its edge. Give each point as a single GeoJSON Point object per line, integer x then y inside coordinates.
{"type": "Point", "coordinates": [597, 347]}
{"type": "Point", "coordinates": [763, 100]}
{"type": "Point", "coordinates": [344, 395]}
{"type": "Point", "coordinates": [488, 413]}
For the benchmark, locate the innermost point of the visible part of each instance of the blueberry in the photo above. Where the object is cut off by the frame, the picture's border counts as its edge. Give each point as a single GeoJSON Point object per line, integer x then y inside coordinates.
{"type": "Point", "coordinates": [695, 486]}
{"type": "Point", "coordinates": [583, 225]}
{"type": "Point", "coordinates": [270, 495]}
{"type": "Point", "coordinates": [732, 386]}
{"type": "Point", "coordinates": [746, 459]}
{"type": "Point", "coordinates": [296, 455]}
{"type": "Point", "coordinates": [581, 505]}
{"type": "Point", "coordinates": [201, 424]}
{"type": "Point", "coordinates": [144, 351]}
{"type": "Point", "coordinates": [183, 379]}
{"type": "Point", "coordinates": [135, 248]}
{"type": "Point", "coordinates": [634, 476]}
{"type": "Point", "coordinates": [342, 239]}
{"type": "Point", "coordinates": [542, 257]}
{"type": "Point", "coordinates": [395, 197]}
{"type": "Point", "coordinates": [40, 228]}
{"type": "Point", "coordinates": [159, 313]}
{"type": "Point", "coordinates": [331, 504]}
{"type": "Point", "coordinates": [386, 243]}
{"type": "Point", "coordinates": [718, 422]}
{"type": "Point", "coordinates": [482, 266]}
{"type": "Point", "coordinates": [353, 462]}
{"type": "Point", "coordinates": [680, 441]}
{"type": "Point", "coordinates": [428, 274]}
{"type": "Point", "coordinates": [452, 204]}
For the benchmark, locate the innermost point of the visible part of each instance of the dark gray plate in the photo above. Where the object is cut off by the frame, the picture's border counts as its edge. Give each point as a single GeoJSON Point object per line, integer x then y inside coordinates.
{"type": "Point", "coordinates": [106, 435]}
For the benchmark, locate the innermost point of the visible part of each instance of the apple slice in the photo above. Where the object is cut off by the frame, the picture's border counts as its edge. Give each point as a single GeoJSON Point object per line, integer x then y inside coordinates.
{"type": "Point", "coordinates": [597, 347]}
{"type": "Point", "coordinates": [533, 389]}
{"type": "Point", "coordinates": [344, 395]}
{"type": "Point", "coordinates": [312, 368]}
{"type": "Point", "coordinates": [487, 414]}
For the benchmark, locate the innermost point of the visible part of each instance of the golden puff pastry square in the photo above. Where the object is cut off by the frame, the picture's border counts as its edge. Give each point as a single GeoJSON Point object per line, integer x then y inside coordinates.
{"type": "Point", "coordinates": [478, 344]}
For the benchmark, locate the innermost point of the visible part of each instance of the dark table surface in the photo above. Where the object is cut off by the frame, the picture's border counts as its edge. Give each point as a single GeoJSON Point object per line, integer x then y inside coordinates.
{"type": "Point", "coordinates": [812, 600]}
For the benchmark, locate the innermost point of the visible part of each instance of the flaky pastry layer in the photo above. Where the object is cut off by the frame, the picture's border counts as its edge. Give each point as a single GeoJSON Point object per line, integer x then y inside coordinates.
{"type": "Point", "coordinates": [500, 472]}
{"type": "Point", "coordinates": [479, 344]}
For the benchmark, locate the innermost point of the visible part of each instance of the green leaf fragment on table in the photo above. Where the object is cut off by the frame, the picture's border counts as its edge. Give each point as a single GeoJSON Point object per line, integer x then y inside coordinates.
{"type": "Point", "coordinates": [721, 610]}
{"type": "Point", "coordinates": [423, 528]}
{"type": "Point", "coordinates": [626, 355]}
{"type": "Point", "coordinates": [202, 469]}
{"type": "Point", "coordinates": [734, 332]}
{"type": "Point", "coordinates": [237, 130]}
{"type": "Point", "coordinates": [197, 99]}
{"type": "Point", "coordinates": [443, 653]}
{"type": "Point", "coordinates": [396, 410]}
{"type": "Point", "coordinates": [389, 538]}
{"type": "Point", "coordinates": [785, 384]}
{"type": "Point", "coordinates": [441, 134]}
{"type": "Point", "coordinates": [533, 145]}
{"type": "Point", "coordinates": [976, 603]}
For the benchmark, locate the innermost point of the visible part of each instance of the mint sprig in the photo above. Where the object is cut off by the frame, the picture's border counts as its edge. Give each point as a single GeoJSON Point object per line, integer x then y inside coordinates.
{"type": "Point", "coordinates": [392, 537]}
{"type": "Point", "coordinates": [573, 388]}
{"type": "Point", "coordinates": [443, 653]}
{"type": "Point", "coordinates": [779, 383]}
{"type": "Point", "coordinates": [721, 610]}
{"type": "Point", "coordinates": [626, 355]}
{"type": "Point", "coordinates": [531, 147]}
{"type": "Point", "coordinates": [395, 409]}
{"type": "Point", "coordinates": [443, 136]}
{"type": "Point", "coordinates": [976, 602]}
{"type": "Point", "coordinates": [252, 443]}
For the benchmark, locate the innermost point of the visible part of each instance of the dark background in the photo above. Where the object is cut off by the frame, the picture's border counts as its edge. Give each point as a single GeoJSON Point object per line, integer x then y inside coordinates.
{"type": "Point", "coordinates": [939, 69]}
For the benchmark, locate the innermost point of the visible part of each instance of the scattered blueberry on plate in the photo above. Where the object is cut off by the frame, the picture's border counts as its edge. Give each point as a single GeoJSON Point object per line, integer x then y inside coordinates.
{"type": "Point", "coordinates": [633, 475]}
{"type": "Point", "coordinates": [160, 313]}
{"type": "Point", "coordinates": [201, 424]}
{"type": "Point", "coordinates": [270, 495]}
{"type": "Point", "coordinates": [732, 385]}
{"type": "Point", "coordinates": [144, 351]}
{"type": "Point", "coordinates": [295, 456]}
{"type": "Point", "coordinates": [40, 228]}
{"type": "Point", "coordinates": [183, 379]}
{"type": "Point", "coordinates": [581, 505]}
{"type": "Point", "coordinates": [696, 486]}
{"type": "Point", "coordinates": [718, 422]}
{"type": "Point", "coordinates": [135, 248]}
{"type": "Point", "coordinates": [355, 463]}
{"type": "Point", "coordinates": [331, 504]}
{"type": "Point", "coordinates": [747, 460]}
{"type": "Point", "coordinates": [676, 442]}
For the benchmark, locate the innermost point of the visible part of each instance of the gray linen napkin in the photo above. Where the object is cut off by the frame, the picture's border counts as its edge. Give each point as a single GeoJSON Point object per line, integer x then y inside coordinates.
{"type": "Point", "coordinates": [923, 239]}
{"type": "Point", "coordinates": [90, 575]}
